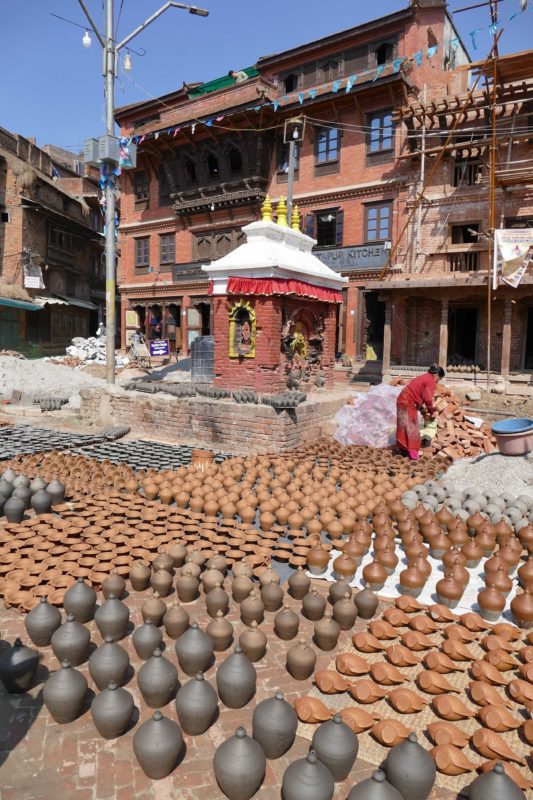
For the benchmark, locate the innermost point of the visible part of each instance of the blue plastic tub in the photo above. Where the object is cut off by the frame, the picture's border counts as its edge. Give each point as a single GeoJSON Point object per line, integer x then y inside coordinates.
{"type": "Point", "coordinates": [514, 436]}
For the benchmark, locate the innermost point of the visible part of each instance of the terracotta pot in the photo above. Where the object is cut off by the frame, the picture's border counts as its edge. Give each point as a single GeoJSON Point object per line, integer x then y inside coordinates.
{"type": "Point", "coordinates": [253, 642]}
{"type": "Point", "coordinates": [522, 609]}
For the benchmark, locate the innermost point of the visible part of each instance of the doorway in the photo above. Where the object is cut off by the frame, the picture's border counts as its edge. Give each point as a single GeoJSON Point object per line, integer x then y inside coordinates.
{"type": "Point", "coordinates": [528, 355]}
{"type": "Point", "coordinates": [375, 325]}
{"type": "Point", "coordinates": [172, 326]}
{"type": "Point", "coordinates": [462, 335]}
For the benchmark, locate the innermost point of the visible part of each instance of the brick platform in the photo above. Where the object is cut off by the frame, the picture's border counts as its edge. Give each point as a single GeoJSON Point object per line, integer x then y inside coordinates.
{"type": "Point", "coordinates": [42, 760]}
{"type": "Point", "coordinates": [219, 424]}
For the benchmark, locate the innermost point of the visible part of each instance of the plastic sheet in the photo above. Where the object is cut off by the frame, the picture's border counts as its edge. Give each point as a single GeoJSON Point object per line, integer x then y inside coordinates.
{"type": "Point", "coordinates": [370, 419]}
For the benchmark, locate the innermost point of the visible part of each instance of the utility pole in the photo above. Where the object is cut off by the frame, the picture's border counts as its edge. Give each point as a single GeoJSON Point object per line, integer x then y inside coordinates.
{"type": "Point", "coordinates": [111, 49]}
{"type": "Point", "coordinates": [293, 135]}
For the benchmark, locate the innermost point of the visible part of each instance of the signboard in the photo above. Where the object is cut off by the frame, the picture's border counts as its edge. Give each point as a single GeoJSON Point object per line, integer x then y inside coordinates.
{"type": "Point", "coordinates": [132, 319]}
{"type": "Point", "coordinates": [358, 257]}
{"type": "Point", "coordinates": [33, 282]}
{"type": "Point", "coordinates": [159, 347]}
{"type": "Point", "coordinates": [190, 271]}
{"type": "Point", "coordinates": [513, 253]}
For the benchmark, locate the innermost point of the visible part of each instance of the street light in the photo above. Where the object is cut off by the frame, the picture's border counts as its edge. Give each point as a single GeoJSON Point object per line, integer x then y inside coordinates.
{"type": "Point", "coordinates": [126, 63]}
{"type": "Point", "coordinates": [111, 50]}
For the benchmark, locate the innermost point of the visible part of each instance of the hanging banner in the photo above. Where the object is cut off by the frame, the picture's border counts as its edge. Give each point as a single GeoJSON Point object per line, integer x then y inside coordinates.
{"type": "Point", "coordinates": [513, 253]}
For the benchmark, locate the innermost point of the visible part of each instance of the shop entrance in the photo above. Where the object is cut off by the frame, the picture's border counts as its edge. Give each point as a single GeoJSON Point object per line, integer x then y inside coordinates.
{"type": "Point", "coordinates": [462, 335]}
{"type": "Point", "coordinates": [172, 327]}
{"type": "Point", "coordinates": [528, 355]}
{"type": "Point", "coordinates": [375, 326]}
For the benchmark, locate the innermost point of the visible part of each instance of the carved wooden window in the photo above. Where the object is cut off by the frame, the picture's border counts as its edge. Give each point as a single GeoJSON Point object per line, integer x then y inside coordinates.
{"type": "Point", "coordinates": [234, 160]}
{"type": "Point", "coordinates": [212, 165]}
{"type": "Point", "coordinates": [189, 169]}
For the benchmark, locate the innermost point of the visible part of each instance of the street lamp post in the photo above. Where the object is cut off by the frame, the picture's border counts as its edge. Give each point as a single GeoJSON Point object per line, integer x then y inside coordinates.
{"type": "Point", "coordinates": [111, 49]}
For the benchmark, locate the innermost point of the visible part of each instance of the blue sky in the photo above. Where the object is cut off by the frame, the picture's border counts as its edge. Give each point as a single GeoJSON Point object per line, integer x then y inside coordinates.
{"type": "Point", "coordinates": [52, 87]}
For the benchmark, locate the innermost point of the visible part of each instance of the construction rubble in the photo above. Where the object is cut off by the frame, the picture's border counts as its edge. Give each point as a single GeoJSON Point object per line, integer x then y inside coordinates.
{"type": "Point", "coordinates": [92, 350]}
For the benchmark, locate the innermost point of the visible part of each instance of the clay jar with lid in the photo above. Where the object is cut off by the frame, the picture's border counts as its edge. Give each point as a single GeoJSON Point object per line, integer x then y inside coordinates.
{"type": "Point", "coordinates": [509, 554]}
{"type": "Point", "coordinates": [345, 612]}
{"type": "Point", "coordinates": [253, 642]}
{"type": "Point", "coordinates": [327, 632]}
{"type": "Point", "coordinates": [491, 603]}
{"type": "Point", "coordinates": [354, 549]}
{"type": "Point", "coordinates": [453, 556]}
{"type": "Point", "coordinates": [412, 581]}
{"type": "Point", "coordinates": [153, 609]}
{"type": "Point", "coordinates": [387, 558]}
{"type": "Point", "coordinates": [274, 725]}
{"type": "Point", "coordinates": [299, 584]}
{"type": "Point", "coordinates": [221, 632]}
{"type": "Point", "coordinates": [375, 575]}
{"type": "Point", "coordinates": [140, 576]}
{"type": "Point", "coordinates": [366, 603]}
{"type": "Point", "coordinates": [439, 544]}
{"type": "Point", "coordinates": [344, 568]}
{"type": "Point", "coordinates": [317, 560]}
{"type": "Point", "coordinates": [336, 746]}
{"type": "Point", "coordinates": [241, 588]}
{"type": "Point", "coordinates": [272, 596]}
{"type": "Point", "coordinates": [286, 623]}
{"type": "Point", "coordinates": [525, 573]}
{"type": "Point", "coordinates": [301, 660]}
{"type": "Point", "coordinates": [458, 534]}
{"type": "Point", "coordinates": [473, 553]}
{"type": "Point", "coordinates": [459, 574]}
{"type": "Point", "coordinates": [522, 609]}
{"type": "Point", "coordinates": [499, 579]}
{"type": "Point", "coordinates": [338, 590]}
{"type": "Point", "coordinates": [313, 605]}
{"type": "Point", "coordinates": [475, 521]}
{"type": "Point", "coordinates": [197, 705]}
{"type": "Point", "coordinates": [448, 590]}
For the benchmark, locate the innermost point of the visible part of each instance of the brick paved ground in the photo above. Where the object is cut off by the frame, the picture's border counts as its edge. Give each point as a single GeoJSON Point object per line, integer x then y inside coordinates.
{"type": "Point", "coordinates": [41, 760]}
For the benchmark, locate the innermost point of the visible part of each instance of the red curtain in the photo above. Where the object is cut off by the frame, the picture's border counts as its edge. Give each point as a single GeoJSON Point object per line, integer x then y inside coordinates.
{"type": "Point", "coordinates": [269, 286]}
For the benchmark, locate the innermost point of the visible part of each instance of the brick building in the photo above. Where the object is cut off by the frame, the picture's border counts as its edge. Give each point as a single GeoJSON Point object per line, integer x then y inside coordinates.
{"type": "Point", "coordinates": [437, 301]}
{"type": "Point", "coordinates": [197, 184]}
{"type": "Point", "coordinates": [51, 268]}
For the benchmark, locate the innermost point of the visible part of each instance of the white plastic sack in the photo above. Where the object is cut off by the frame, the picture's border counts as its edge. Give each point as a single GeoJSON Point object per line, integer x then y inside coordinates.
{"type": "Point", "coordinates": [371, 420]}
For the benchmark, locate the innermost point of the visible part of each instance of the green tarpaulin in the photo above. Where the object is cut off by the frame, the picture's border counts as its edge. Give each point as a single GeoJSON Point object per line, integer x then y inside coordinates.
{"type": "Point", "coordinates": [220, 83]}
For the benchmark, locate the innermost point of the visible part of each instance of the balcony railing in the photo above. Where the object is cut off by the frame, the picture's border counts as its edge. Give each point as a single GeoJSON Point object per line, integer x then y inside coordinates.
{"type": "Point", "coordinates": [463, 262]}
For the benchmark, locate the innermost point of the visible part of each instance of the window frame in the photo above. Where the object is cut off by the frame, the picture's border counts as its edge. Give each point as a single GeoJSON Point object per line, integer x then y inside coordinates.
{"type": "Point", "coordinates": [163, 184]}
{"type": "Point", "coordinates": [142, 196]}
{"type": "Point", "coordinates": [329, 135]}
{"type": "Point", "coordinates": [230, 149]}
{"type": "Point", "coordinates": [170, 259]}
{"type": "Point", "coordinates": [378, 207]}
{"type": "Point", "coordinates": [142, 266]}
{"type": "Point", "coordinates": [282, 171]}
{"type": "Point", "coordinates": [380, 150]}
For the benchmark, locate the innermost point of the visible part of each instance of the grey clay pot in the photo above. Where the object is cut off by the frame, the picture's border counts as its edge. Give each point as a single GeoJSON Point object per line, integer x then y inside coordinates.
{"type": "Point", "coordinates": [158, 745]}
{"type": "Point", "coordinates": [236, 680]}
{"type": "Point", "coordinates": [146, 638]}
{"type": "Point", "coordinates": [109, 662]}
{"type": "Point", "coordinates": [239, 764]}
{"type": "Point", "coordinates": [376, 787]}
{"type": "Point", "coordinates": [336, 746]}
{"type": "Point", "coordinates": [410, 769]}
{"type": "Point", "coordinates": [495, 785]}
{"type": "Point", "coordinates": [112, 618]}
{"type": "Point", "coordinates": [14, 509]}
{"type": "Point", "coordinates": [71, 642]}
{"type": "Point", "coordinates": [299, 584]}
{"type": "Point", "coordinates": [286, 624]}
{"type": "Point", "coordinates": [80, 601]}
{"type": "Point", "coordinates": [194, 649]}
{"type": "Point", "coordinates": [196, 705]}
{"type": "Point", "coordinates": [157, 679]}
{"type": "Point", "coordinates": [18, 666]}
{"type": "Point", "coordinates": [41, 502]}
{"type": "Point", "coordinates": [111, 711]}
{"type": "Point", "coordinates": [41, 622]}
{"type": "Point", "coordinates": [307, 779]}
{"type": "Point", "coordinates": [274, 724]}
{"type": "Point", "coordinates": [56, 490]}
{"type": "Point", "coordinates": [64, 693]}
{"type": "Point", "coordinates": [366, 602]}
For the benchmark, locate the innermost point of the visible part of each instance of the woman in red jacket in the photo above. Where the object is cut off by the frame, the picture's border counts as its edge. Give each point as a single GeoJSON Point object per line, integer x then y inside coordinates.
{"type": "Point", "coordinates": [416, 396]}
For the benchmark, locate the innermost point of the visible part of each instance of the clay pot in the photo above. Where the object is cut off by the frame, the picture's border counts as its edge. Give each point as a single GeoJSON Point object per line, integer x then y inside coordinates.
{"type": "Point", "coordinates": [410, 769]}
{"type": "Point", "coordinates": [498, 718]}
{"type": "Point", "coordinates": [386, 674]}
{"type": "Point", "coordinates": [41, 502]}
{"type": "Point", "coordinates": [272, 596]}
{"type": "Point", "coordinates": [239, 764]}
{"type": "Point", "coordinates": [499, 580]}
{"type": "Point", "coordinates": [522, 609]}
{"type": "Point", "coordinates": [317, 560]}
{"type": "Point", "coordinates": [412, 581]}
{"type": "Point", "coordinates": [345, 613]}
{"type": "Point", "coordinates": [113, 584]}
{"type": "Point", "coordinates": [253, 642]}
{"type": "Point", "coordinates": [217, 600]}
{"type": "Point", "coordinates": [109, 662]}
{"type": "Point", "coordinates": [177, 553]}
{"type": "Point", "coordinates": [494, 785]}
{"type": "Point", "coordinates": [13, 509]}
{"type": "Point", "coordinates": [405, 701]}
{"type": "Point", "coordinates": [252, 609]}
{"type": "Point", "coordinates": [299, 584]}
{"type": "Point", "coordinates": [274, 724]}
{"type": "Point", "coordinates": [307, 779]}
{"type": "Point", "coordinates": [286, 624]}
{"type": "Point", "coordinates": [236, 680]}
{"type": "Point", "coordinates": [18, 666]}
{"type": "Point", "coordinates": [491, 603]}
{"type": "Point", "coordinates": [366, 602]}
{"type": "Point", "coordinates": [212, 578]}
{"type": "Point", "coordinates": [313, 605]}
{"type": "Point", "coordinates": [194, 649]}
{"type": "Point", "coordinates": [80, 601]}
{"type": "Point", "coordinates": [450, 708]}
{"type": "Point", "coordinates": [111, 711]}
{"type": "Point", "coordinates": [449, 591]}
{"type": "Point", "coordinates": [525, 572]}
{"type": "Point", "coordinates": [153, 609]}
{"type": "Point", "coordinates": [491, 745]}
{"type": "Point", "coordinates": [175, 620]}
{"type": "Point", "coordinates": [140, 576]}
{"type": "Point", "coordinates": [344, 568]}
{"type": "Point", "coordinates": [336, 746]}
{"type": "Point", "coordinates": [64, 693]}
{"type": "Point", "coordinates": [376, 787]}
{"type": "Point", "coordinates": [41, 622]}
{"type": "Point", "coordinates": [326, 632]}
{"type": "Point", "coordinates": [400, 656]}
{"type": "Point", "coordinates": [450, 760]}
{"type": "Point", "coordinates": [187, 588]}
{"type": "Point", "coordinates": [241, 588]}
{"type": "Point", "coordinates": [338, 590]}
{"type": "Point", "coordinates": [56, 490]}
{"type": "Point", "coordinates": [196, 705]}
{"type": "Point", "coordinates": [301, 660]}
{"type": "Point", "coordinates": [473, 553]}
{"type": "Point", "coordinates": [157, 680]}
{"type": "Point", "coordinates": [329, 682]}
{"type": "Point", "coordinates": [374, 575]}
{"type": "Point", "coordinates": [146, 638]}
{"type": "Point", "coordinates": [112, 618]}
{"type": "Point", "coordinates": [161, 582]}
{"type": "Point", "coordinates": [71, 642]}
{"type": "Point", "coordinates": [221, 632]}
{"type": "Point", "coordinates": [158, 745]}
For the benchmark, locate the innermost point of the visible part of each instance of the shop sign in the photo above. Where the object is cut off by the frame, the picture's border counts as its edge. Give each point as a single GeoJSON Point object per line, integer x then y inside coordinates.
{"type": "Point", "coordinates": [159, 347]}
{"type": "Point", "coordinates": [357, 257]}
{"type": "Point", "coordinates": [513, 254]}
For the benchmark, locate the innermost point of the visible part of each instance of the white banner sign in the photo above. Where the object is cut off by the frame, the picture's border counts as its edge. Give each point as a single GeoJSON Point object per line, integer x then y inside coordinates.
{"type": "Point", "coordinates": [513, 253]}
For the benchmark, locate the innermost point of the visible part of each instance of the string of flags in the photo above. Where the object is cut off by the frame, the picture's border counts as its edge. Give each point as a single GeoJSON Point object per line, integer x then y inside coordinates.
{"type": "Point", "coordinates": [346, 84]}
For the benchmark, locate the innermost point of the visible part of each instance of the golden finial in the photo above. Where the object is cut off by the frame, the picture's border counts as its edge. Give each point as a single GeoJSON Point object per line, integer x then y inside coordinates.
{"type": "Point", "coordinates": [295, 219]}
{"type": "Point", "coordinates": [282, 213]}
{"type": "Point", "coordinates": [266, 210]}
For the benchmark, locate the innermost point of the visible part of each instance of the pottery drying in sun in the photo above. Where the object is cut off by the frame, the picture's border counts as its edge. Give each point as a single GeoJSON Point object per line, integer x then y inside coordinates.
{"type": "Point", "coordinates": [406, 701]}
{"type": "Point", "coordinates": [312, 710]}
{"type": "Point", "coordinates": [457, 650]}
{"type": "Point", "coordinates": [459, 632]}
{"type": "Point", "coordinates": [491, 745]}
{"type": "Point", "coordinates": [483, 671]}
{"type": "Point", "coordinates": [330, 682]}
{"type": "Point", "coordinates": [358, 719]}
{"type": "Point", "coordinates": [367, 692]}
{"type": "Point", "coordinates": [501, 659]}
{"type": "Point", "coordinates": [401, 656]}
{"type": "Point", "coordinates": [450, 760]}
{"type": "Point", "coordinates": [417, 641]}
{"type": "Point", "coordinates": [443, 732]}
{"type": "Point", "coordinates": [484, 694]}
{"type": "Point", "coordinates": [351, 664]}
{"type": "Point", "coordinates": [474, 622]}
{"type": "Point", "coordinates": [521, 691]}
{"type": "Point", "coordinates": [510, 770]}
{"type": "Point", "coordinates": [441, 613]}
{"type": "Point", "coordinates": [440, 662]}
{"type": "Point", "coordinates": [450, 708]}
{"type": "Point", "coordinates": [390, 732]}
{"type": "Point", "coordinates": [423, 624]}
{"type": "Point", "coordinates": [367, 643]}
{"type": "Point", "coordinates": [382, 629]}
{"type": "Point", "coordinates": [396, 617]}
{"type": "Point", "coordinates": [434, 682]}
{"type": "Point", "coordinates": [408, 604]}
{"type": "Point", "coordinates": [498, 718]}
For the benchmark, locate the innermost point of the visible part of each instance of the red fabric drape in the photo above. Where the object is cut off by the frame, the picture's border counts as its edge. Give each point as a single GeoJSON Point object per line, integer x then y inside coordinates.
{"type": "Point", "coordinates": [270, 286]}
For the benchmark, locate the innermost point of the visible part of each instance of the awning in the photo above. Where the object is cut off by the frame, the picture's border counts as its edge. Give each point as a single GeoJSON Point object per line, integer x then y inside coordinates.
{"type": "Point", "coordinates": [73, 301]}
{"type": "Point", "coordinates": [270, 286]}
{"type": "Point", "coordinates": [7, 301]}
{"type": "Point", "coordinates": [49, 300]}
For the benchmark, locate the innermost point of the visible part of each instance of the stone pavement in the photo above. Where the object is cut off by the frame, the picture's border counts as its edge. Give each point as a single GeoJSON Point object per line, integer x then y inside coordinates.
{"type": "Point", "coordinates": [42, 760]}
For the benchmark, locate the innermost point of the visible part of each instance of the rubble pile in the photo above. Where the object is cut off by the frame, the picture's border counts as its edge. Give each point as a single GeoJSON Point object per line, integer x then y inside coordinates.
{"type": "Point", "coordinates": [457, 436]}
{"type": "Point", "coordinates": [91, 351]}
